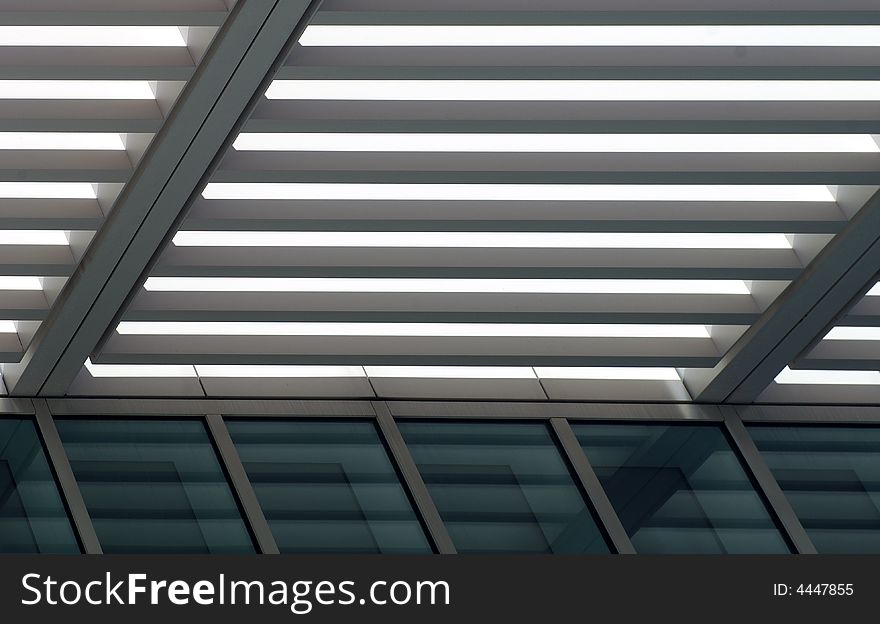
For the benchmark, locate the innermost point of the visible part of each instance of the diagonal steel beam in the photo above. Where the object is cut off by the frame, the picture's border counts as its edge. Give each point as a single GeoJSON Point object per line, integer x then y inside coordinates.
{"type": "Point", "coordinates": [835, 280]}
{"type": "Point", "coordinates": [767, 483]}
{"type": "Point", "coordinates": [241, 62]}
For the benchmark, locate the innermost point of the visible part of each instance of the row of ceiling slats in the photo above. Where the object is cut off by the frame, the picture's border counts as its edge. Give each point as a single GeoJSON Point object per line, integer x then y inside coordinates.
{"type": "Point", "coordinates": [102, 171]}
{"type": "Point", "coordinates": [448, 327]}
{"type": "Point", "coordinates": [809, 224]}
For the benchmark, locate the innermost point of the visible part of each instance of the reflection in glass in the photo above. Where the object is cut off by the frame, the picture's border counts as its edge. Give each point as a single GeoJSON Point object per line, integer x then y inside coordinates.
{"type": "Point", "coordinates": [502, 487]}
{"type": "Point", "coordinates": [327, 487]}
{"type": "Point", "coordinates": [831, 477]}
{"type": "Point", "coordinates": [32, 515]}
{"type": "Point", "coordinates": [154, 486]}
{"type": "Point", "coordinates": [679, 489]}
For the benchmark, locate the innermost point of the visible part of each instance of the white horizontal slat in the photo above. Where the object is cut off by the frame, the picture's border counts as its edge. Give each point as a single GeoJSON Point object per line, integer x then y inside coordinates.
{"type": "Point", "coordinates": [518, 260]}
{"type": "Point", "coordinates": [600, 56]}
{"type": "Point", "coordinates": [597, 111]}
{"type": "Point", "coordinates": [586, 36]}
{"type": "Point", "coordinates": [594, 5]}
{"type": "Point", "coordinates": [238, 166]}
{"type": "Point", "coordinates": [87, 6]}
{"type": "Point", "coordinates": [381, 351]}
{"type": "Point", "coordinates": [593, 215]}
{"type": "Point", "coordinates": [86, 385]}
{"type": "Point", "coordinates": [821, 393]}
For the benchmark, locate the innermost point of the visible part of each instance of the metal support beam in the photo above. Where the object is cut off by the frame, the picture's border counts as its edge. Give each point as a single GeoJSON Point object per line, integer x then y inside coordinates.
{"type": "Point", "coordinates": [57, 457]}
{"type": "Point", "coordinates": [767, 482]}
{"type": "Point", "coordinates": [401, 456]}
{"type": "Point", "coordinates": [592, 487]}
{"type": "Point", "coordinates": [242, 485]}
{"type": "Point", "coordinates": [330, 409]}
{"type": "Point", "coordinates": [240, 64]}
{"type": "Point", "coordinates": [837, 278]}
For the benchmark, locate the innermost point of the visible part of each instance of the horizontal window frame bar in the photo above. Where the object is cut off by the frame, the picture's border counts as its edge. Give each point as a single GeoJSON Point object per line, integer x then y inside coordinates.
{"type": "Point", "coordinates": [14, 407]}
{"type": "Point", "coordinates": [828, 414]}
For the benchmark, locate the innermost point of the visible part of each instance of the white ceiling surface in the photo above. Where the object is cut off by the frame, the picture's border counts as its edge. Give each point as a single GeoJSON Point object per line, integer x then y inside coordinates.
{"type": "Point", "coordinates": [556, 211]}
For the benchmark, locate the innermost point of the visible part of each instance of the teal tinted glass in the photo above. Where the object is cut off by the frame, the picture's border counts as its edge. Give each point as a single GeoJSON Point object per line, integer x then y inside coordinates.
{"type": "Point", "coordinates": [502, 487]}
{"type": "Point", "coordinates": [679, 489]}
{"type": "Point", "coordinates": [32, 515]}
{"type": "Point", "coordinates": [154, 486]}
{"type": "Point", "coordinates": [327, 487]}
{"type": "Point", "coordinates": [831, 477]}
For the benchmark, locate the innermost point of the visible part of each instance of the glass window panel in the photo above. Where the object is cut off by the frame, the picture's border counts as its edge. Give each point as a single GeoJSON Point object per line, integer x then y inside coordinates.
{"type": "Point", "coordinates": [502, 487]}
{"type": "Point", "coordinates": [328, 487]}
{"type": "Point", "coordinates": [154, 486]}
{"type": "Point", "coordinates": [831, 476]}
{"type": "Point", "coordinates": [32, 514]}
{"type": "Point", "coordinates": [679, 489]}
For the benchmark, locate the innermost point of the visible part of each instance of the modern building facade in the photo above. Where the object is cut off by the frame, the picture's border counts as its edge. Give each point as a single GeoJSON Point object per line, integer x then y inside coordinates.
{"type": "Point", "coordinates": [386, 276]}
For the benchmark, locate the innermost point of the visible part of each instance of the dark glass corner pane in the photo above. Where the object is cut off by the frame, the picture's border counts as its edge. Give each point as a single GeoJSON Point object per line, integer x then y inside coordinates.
{"type": "Point", "coordinates": [679, 489]}
{"type": "Point", "coordinates": [32, 515]}
{"type": "Point", "coordinates": [327, 487]}
{"type": "Point", "coordinates": [154, 486]}
{"type": "Point", "coordinates": [502, 487]}
{"type": "Point", "coordinates": [831, 477]}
